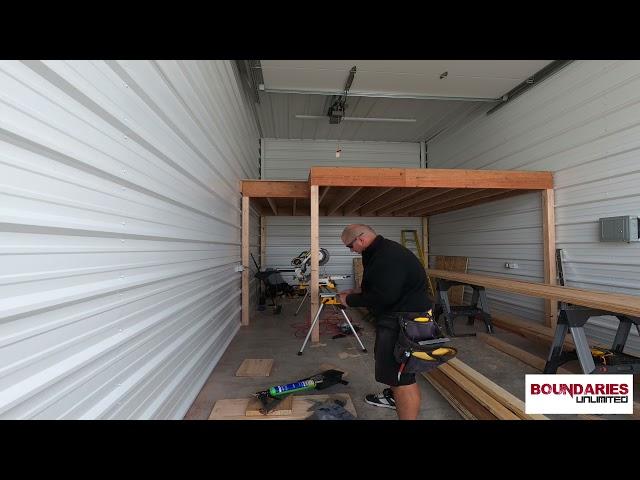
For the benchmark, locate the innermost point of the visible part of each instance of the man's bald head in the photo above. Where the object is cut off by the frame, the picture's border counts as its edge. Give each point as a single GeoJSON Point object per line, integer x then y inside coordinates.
{"type": "Point", "coordinates": [362, 234]}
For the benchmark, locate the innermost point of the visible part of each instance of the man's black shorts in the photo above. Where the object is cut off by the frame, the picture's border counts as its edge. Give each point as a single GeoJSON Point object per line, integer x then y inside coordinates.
{"type": "Point", "coordinates": [387, 330]}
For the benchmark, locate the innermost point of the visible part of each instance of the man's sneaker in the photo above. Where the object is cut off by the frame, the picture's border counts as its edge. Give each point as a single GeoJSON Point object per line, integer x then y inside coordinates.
{"type": "Point", "coordinates": [384, 399]}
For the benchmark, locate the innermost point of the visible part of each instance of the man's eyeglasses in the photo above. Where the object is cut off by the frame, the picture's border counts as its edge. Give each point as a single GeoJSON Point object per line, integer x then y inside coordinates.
{"type": "Point", "coordinates": [350, 244]}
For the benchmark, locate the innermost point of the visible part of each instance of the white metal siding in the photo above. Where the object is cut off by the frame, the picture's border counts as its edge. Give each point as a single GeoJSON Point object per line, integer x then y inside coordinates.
{"type": "Point", "coordinates": [292, 159]}
{"type": "Point", "coordinates": [119, 233]}
{"type": "Point", "coordinates": [583, 123]}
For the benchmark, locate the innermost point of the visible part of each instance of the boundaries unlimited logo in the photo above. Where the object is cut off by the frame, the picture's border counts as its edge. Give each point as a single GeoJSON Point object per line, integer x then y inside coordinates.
{"type": "Point", "coordinates": [595, 394]}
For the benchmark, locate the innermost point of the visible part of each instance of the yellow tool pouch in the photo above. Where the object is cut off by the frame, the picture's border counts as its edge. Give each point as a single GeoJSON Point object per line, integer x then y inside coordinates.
{"type": "Point", "coordinates": [414, 357]}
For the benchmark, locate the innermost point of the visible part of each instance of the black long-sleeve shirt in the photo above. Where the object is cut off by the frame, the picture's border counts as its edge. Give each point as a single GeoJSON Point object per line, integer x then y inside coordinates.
{"type": "Point", "coordinates": [393, 280]}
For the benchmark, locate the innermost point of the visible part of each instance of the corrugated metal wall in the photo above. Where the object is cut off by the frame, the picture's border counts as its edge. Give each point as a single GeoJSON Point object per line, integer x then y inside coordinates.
{"type": "Point", "coordinates": [583, 123]}
{"type": "Point", "coordinates": [119, 233]}
{"type": "Point", "coordinates": [291, 160]}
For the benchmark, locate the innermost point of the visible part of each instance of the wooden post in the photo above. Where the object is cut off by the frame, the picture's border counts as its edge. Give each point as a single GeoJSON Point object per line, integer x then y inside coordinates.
{"type": "Point", "coordinates": [245, 260]}
{"type": "Point", "coordinates": [425, 240]}
{"type": "Point", "coordinates": [315, 273]}
{"type": "Point", "coordinates": [425, 252]}
{"type": "Point", "coordinates": [549, 253]}
{"type": "Point", "coordinates": [263, 241]}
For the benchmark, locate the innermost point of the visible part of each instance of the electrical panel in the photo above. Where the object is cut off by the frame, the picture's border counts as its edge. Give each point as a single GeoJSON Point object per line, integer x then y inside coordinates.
{"type": "Point", "coordinates": [619, 229]}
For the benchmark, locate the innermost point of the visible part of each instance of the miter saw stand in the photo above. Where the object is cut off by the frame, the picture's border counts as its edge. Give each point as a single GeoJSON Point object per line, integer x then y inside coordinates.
{"type": "Point", "coordinates": [330, 296]}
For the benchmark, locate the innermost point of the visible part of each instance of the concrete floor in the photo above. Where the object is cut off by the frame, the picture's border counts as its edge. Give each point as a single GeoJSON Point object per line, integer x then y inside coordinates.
{"type": "Point", "coordinates": [281, 336]}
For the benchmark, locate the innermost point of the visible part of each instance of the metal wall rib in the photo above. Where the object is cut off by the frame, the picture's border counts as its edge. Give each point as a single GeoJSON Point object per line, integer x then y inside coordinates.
{"type": "Point", "coordinates": [119, 233]}
{"type": "Point", "coordinates": [583, 123]}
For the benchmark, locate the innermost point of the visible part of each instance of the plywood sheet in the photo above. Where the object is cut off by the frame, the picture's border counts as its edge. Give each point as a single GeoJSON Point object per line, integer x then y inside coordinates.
{"type": "Point", "coordinates": [453, 264]}
{"type": "Point", "coordinates": [235, 408]}
{"type": "Point", "coordinates": [255, 367]}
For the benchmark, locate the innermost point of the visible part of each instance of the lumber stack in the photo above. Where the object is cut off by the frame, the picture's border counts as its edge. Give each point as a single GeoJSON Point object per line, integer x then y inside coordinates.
{"type": "Point", "coordinates": [474, 396]}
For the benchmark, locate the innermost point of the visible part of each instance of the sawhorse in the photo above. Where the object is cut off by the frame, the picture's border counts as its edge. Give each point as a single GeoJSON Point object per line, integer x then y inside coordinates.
{"type": "Point", "coordinates": [479, 308]}
{"type": "Point", "coordinates": [573, 318]}
{"type": "Point", "coordinates": [328, 296]}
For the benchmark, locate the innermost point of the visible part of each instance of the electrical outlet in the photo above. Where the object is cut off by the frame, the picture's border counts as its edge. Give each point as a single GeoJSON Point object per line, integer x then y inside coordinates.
{"type": "Point", "coordinates": [239, 268]}
{"type": "Point", "coordinates": [511, 265]}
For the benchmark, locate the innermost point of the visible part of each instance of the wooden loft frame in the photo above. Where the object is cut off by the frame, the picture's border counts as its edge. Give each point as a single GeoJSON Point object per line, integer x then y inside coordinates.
{"type": "Point", "coordinates": [390, 192]}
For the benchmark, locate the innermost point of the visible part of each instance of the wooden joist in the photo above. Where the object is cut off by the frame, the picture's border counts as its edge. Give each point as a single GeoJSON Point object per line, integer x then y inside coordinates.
{"type": "Point", "coordinates": [389, 198]}
{"type": "Point", "coordinates": [610, 302]}
{"type": "Point", "coordinates": [420, 199]}
{"type": "Point", "coordinates": [272, 204]}
{"type": "Point", "coordinates": [364, 197]}
{"type": "Point", "coordinates": [344, 195]}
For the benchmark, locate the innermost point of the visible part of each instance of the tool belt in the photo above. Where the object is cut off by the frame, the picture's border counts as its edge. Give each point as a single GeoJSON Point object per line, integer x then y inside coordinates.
{"type": "Point", "coordinates": [414, 357]}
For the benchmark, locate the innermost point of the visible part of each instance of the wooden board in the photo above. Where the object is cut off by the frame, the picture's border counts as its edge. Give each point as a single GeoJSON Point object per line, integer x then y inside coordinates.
{"type": "Point", "coordinates": [235, 408]}
{"type": "Point", "coordinates": [453, 264]}
{"type": "Point", "coordinates": [275, 188]}
{"type": "Point", "coordinates": [453, 401]}
{"type": "Point", "coordinates": [516, 352]}
{"type": "Point", "coordinates": [429, 177]}
{"type": "Point", "coordinates": [477, 392]}
{"type": "Point", "coordinates": [285, 407]}
{"type": "Point", "coordinates": [255, 367]}
{"type": "Point", "coordinates": [460, 395]}
{"type": "Point", "coordinates": [357, 271]}
{"type": "Point", "coordinates": [607, 301]}
{"type": "Point", "coordinates": [507, 399]}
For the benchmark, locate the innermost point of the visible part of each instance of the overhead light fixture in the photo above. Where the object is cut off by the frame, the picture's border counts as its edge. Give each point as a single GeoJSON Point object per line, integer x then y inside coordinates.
{"type": "Point", "coordinates": [357, 119]}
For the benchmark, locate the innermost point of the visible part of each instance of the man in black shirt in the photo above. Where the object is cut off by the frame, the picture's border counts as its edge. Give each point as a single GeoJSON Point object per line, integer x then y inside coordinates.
{"type": "Point", "coordinates": [393, 282]}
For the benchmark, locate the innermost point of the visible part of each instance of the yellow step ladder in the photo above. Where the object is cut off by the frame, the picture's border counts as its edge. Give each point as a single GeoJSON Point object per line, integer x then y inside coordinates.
{"type": "Point", "coordinates": [411, 241]}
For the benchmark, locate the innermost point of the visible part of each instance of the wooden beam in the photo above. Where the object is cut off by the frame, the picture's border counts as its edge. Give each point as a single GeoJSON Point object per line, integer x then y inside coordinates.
{"type": "Point", "coordinates": [364, 197]}
{"type": "Point", "coordinates": [607, 301]}
{"type": "Point", "coordinates": [245, 260]}
{"type": "Point", "coordinates": [549, 253]}
{"type": "Point", "coordinates": [357, 176]}
{"type": "Point", "coordinates": [274, 188]}
{"type": "Point", "coordinates": [293, 210]}
{"type": "Point", "coordinates": [429, 177]}
{"type": "Point", "coordinates": [343, 197]}
{"type": "Point", "coordinates": [315, 272]}
{"type": "Point", "coordinates": [459, 178]}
